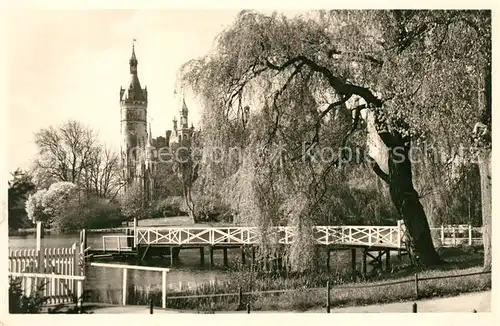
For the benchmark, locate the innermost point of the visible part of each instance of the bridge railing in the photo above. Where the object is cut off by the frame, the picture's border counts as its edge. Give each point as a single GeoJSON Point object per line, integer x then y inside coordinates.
{"type": "Point", "coordinates": [456, 235]}
{"type": "Point", "coordinates": [380, 236]}
{"type": "Point", "coordinates": [125, 279]}
{"type": "Point", "coordinates": [117, 242]}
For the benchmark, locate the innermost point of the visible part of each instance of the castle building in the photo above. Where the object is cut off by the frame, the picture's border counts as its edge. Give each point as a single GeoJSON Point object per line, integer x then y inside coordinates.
{"type": "Point", "coordinates": [139, 151]}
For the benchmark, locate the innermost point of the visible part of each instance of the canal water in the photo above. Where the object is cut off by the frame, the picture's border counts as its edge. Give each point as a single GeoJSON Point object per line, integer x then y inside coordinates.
{"type": "Point", "coordinates": [187, 273]}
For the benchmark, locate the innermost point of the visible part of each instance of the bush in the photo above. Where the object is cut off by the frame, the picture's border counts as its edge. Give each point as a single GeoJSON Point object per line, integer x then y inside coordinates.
{"type": "Point", "coordinates": [210, 209]}
{"type": "Point", "coordinates": [93, 213]}
{"type": "Point", "coordinates": [168, 207]}
{"type": "Point", "coordinates": [22, 303]}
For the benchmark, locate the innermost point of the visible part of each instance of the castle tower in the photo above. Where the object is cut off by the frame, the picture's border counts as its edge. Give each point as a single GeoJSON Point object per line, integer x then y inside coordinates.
{"type": "Point", "coordinates": [133, 103]}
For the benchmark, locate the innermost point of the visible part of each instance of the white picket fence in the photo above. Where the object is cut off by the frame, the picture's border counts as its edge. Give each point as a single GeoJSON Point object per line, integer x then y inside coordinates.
{"type": "Point", "coordinates": [50, 270]}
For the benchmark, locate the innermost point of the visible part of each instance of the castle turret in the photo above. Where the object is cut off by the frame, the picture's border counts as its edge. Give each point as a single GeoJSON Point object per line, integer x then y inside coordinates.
{"type": "Point", "coordinates": [133, 103]}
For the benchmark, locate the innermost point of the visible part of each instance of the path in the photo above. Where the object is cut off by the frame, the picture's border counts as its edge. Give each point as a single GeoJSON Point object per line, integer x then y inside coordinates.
{"type": "Point", "coordinates": [480, 301]}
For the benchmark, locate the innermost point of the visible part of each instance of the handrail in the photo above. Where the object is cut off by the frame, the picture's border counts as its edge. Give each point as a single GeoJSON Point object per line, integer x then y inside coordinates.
{"type": "Point", "coordinates": [55, 276]}
{"type": "Point", "coordinates": [143, 268]}
{"type": "Point", "coordinates": [125, 268]}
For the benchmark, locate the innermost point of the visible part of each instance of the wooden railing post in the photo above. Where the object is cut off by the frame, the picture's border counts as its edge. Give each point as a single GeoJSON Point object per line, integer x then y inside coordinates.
{"type": "Point", "coordinates": [414, 307]}
{"type": "Point", "coordinates": [83, 246]}
{"type": "Point", "coordinates": [442, 235]}
{"type": "Point", "coordinates": [135, 232]}
{"type": "Point", "coordinates": [164, 289]}
{"type": "Point", "coordinates": [39, 247]}
{"type": "Point", "coordinates": [39, 252]}
{"type": "Point", "coordinates": [416, 286]}
{"type": "Point", "coordinates": [118, 240]}
{"type": "Point", "coordinates": [240, 298]}
{"type": "Point", "coordinates": [124, 287]}
{"type": "Point", "coordinates": [74, 264]}
{"type": "Point", "coordinates": [79, 293]}
{"type": "Point", "coordinates": [454, 236]}
{"type": "Point", "coordinates": [328, 297]}
{"type": "Point", "coordinates": [399, 234]}
{"type": "Point", "coordinates": [151, 306]}
{"type": "Point", "coordinates": [470, 235]}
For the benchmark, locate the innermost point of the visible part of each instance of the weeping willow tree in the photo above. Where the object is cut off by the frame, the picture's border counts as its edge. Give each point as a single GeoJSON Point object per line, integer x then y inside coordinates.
{"type": "Point", "coordinates": [282, 89]}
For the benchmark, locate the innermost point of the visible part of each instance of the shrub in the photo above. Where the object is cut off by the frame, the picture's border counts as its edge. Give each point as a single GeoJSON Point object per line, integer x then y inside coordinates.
{"type": "Point", "coordinates": [168, 207]}
{"type": "Point", "coordinates": [210, 209]}
{"type": "Point", "coordinates": [92, 213]}
{"type": "Point", "coordinates": [20, 302]}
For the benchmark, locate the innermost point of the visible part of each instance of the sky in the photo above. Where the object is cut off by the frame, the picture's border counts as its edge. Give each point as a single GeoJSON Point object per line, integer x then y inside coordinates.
{"type": "Point", "coordinates": [70, 65]}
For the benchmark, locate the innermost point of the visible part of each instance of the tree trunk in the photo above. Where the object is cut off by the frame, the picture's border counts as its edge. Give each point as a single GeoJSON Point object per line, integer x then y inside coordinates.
{"type": "Point", "coordinates": [407, 202]}
{"type": "Point", "coordinates": [188, 199]}
{"type": "Point", "coordinates": [392, 164]}
{"type": "Point", "coordinates": [485, 175]}
{"type": "Point", "coordinates": [482, 134]}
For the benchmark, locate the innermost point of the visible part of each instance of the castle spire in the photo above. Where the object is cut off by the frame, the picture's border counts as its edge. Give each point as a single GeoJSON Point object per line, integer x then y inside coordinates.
{"type": "Point", "coordinates": [184, 110]}
{"type": "Point", "coordinates": [150, 135]}
{"type": "Point", "coordinates": [134, 91]}
{"type": "Point", "coordinates": [133, 59]}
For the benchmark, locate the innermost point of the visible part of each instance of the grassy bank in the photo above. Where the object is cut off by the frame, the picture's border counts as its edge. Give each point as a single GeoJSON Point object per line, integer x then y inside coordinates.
{"type": "Point", "coordinates": [308, 291]}
{"type": "Point", "coordinates": [313, 295]}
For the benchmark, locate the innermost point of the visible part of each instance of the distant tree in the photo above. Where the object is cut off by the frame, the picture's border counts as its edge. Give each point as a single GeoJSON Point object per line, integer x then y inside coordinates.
{"type": "Point", "coordinates": [71, 153]}
{"type": "Point", "coordinates": [186, 165]}
{"type": "Point", "coordinates": [167, 182]}
{"type": "Point", "coordinates": [20, 187]}
{"type": "Point", "coordinates": [101, 176]}
{"type": "Point", "coordinates": [64, 151]}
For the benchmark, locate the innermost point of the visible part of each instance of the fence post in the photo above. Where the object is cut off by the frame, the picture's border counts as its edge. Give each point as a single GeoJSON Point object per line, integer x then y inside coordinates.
{"type": "Point", "coordinates": [135, 232]}
{"type": "Point", "coordinates": [442, 235]}
{"type": "Point", "coordinates": [79, 293]}
{"type": "Point", "coordinates": [414, 307]}
{"type": "Point", "coordinates": [74, 263]}
{"type": "Point", "coordinates": [454, 236]}
{"type": "Point", "coordinates": [416, 286]}
{"type": "Point", "coordinates": [124, 287]}
{"type": "Point", "coordinates": [164, 289]}
{"type": "Point", "coordinates": [151, 306]}
{"type": "Point", "coordinates": [399, 233]}
{"type": "Point", "coordinates": [240, 298]}
{"type": "Point", "coordinates": [83, 246]}
{"type": "Point", "coordinates": [470, 235]}
{"type": "Point", "coordinates": [328, 297]}
{"type": "Point", "coordinates": [39, 248]}
{"type": "Point", "coordinates": [248, 307]}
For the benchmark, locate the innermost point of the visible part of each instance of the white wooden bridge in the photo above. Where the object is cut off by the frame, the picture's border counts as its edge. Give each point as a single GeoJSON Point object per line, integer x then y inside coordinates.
{"type": "Point", "coordinates": [168, 241]}
{"type": "Point", "coordinates": [365, 236]}
{"type": "Point", "coordinates": [383, 237]}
